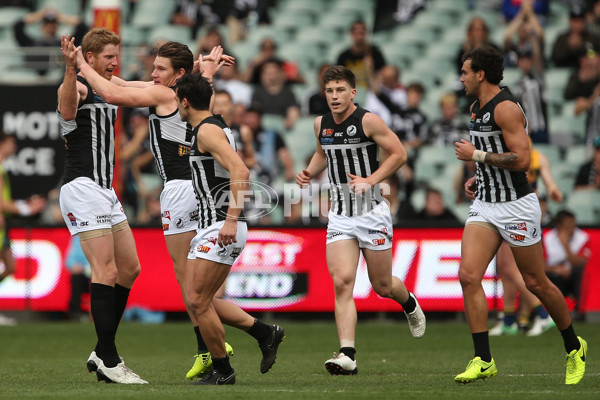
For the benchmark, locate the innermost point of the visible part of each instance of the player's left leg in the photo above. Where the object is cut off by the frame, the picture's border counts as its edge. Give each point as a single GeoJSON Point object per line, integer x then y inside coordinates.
{"type": "Point", "coordinates": [379, 266]}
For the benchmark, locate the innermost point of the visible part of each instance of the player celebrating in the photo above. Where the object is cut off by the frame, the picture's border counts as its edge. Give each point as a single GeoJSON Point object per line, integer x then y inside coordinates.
{"type": "Point", "coordinates": [348, 142]}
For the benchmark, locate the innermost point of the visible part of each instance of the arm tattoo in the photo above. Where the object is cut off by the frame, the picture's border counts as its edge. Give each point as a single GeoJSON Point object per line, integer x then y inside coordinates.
{"type": "Point", "coordinates": [505, 160]}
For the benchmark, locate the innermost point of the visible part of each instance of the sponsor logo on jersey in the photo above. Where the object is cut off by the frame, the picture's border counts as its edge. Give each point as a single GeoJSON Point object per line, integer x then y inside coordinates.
{"type": "Point", "coordinates": [473, 214]}
{"type": "Point", "coordinates": [351, 130]}
{"type": "Point", "coordinates": [327, 132]}
{"type": "Point", "coordinates": [211, 239]}
{"type": "Point", "coordinates": [516, 237]}
{"type": "Point", "coordinates": [235, 252]}
{"type": "Point", "coordinates": [516, 227]}
{"type": "Point", "coordinates": [165, 227]}
{"type": "Point", "coordinates": [376, 231]}
{"type": "Point", "coordinates": [103, 219]}
{"type": "Point", "coordinates": [331, 235]}
{"type": "Point", "coordinates": [166, 214]}
{"type": "Point", "coordinates": [326, 140]}
{"type": "Point", "coordinates": [338, 134]}
{"type": "Point", "coordinates": [72, 219]}
{"type": "Point", "coordinates": [203, 249]}
{"type": "Point", "coordinates": [377, 242]}
{"type": "Point", "coordinates": [534, 232]}
{"type": "Point", "coordinates": [184, 150]}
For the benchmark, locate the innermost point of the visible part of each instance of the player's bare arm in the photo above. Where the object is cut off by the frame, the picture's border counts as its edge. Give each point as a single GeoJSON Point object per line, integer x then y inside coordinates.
{"type": "Point", "coordinates": [70, 91]}
{"type": "Point", "coordinates": [551, 187]}
{"type": "Point", "coordinates": [317, 163]}
{"type": "Point", "coordinates": [387, 140]}
{"type": "Point", "coordinates": [211, 139]}
{"type": "Point", "coordinates": [510, 119]}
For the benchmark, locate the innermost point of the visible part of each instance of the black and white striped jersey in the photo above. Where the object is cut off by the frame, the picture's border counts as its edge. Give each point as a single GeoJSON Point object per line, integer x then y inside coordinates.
{"type": "Point", "coordinates": [210, 179]}
{"type": "Point", "coordinates": [495, 184]}
{"type": "Point", "coordinates": [170, 143]}
{"type": "Point", "coordinates": [349, 150]}
{"type": "Point", "coordinates": [90, 140]}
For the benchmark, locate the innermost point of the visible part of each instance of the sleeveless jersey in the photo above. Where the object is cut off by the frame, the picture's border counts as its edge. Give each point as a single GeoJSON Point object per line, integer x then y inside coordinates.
{"type": "Point", "coordinates": [495, 184]}
{"type": "Point", "coordinates": [349, 150]}
{"type": "Point", "coordinates": [90, 140]}
{"type": "Point", "coordinates": [210, 179]}
{"type": "Point", "coordinates": [170, 141]}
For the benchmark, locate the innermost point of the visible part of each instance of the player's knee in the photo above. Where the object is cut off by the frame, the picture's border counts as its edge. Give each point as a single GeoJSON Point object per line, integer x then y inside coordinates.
{"type": "Point", "coordinates": [342, 282]}
{"type": "Point", "coordinates": [197, 304]}
{"type": "Point", "coordinates": [383, 290]}
{"type": "Point", "coordinates": [106, 275]}
{"type": "Point", "coordinates": [466, 277]}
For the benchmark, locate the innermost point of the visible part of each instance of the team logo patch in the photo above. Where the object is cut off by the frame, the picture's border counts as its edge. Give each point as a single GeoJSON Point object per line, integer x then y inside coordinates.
{"type": "Point", "coordinates": [179, 223]}
{"type": "Point", "coordinates": [351, 131]}
{"type": "Point", "coordinates": [72, 219]}
{"type": "Point", "coordinates": [184, 150]}
{"type": "Point", "coordinates": [486, 117]}
{"type": "Point", "coordinates": [516, 237]}
{"type": "Point", "coordinates": [534, 232]}
{"type": "Point", "coordinates": [327, 132]}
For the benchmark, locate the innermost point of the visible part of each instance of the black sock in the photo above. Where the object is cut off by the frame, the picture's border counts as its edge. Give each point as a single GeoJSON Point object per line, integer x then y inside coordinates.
{"type": "Point", "coordinates": [570, 339]}
{"type": "Point", "coordinates": [349, 351]}
{"type": "Point", "coordinates": [259, 331]}
{"type": "Point", "coordinates": [410, 304]}
{"type": "Point", "coordinates": [201, 345]}
{"type": "Point", "coordinates": [121, 296]}
{"type": "Point", "coordinates": [481, 341]}
{"type": "Point", "coordinates": [222, 365]}
{"type": "Point", "coordinates": [102, 303]}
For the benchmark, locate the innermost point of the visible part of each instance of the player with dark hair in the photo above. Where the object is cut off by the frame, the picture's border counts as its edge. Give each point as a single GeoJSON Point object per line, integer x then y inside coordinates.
{"type": "Point", "coordinates": [348, 142]}
{"type": "Point", "coordinates": [170, 138]}
{"type": "Point", "coordinates": [218, 176]}
{"type": "Point", "coordinates": [504, 208]}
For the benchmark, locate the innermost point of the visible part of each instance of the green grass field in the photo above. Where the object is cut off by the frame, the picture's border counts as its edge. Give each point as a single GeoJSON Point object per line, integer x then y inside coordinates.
{"type": "Point", "coordinates": [47, 360]}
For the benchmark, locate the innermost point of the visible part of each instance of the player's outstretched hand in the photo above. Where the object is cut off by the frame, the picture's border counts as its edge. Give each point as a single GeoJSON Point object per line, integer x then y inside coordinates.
{"type": "Point", "coordinates": [303, 178]}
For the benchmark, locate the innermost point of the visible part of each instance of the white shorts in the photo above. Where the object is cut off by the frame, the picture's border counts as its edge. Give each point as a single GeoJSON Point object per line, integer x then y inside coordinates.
{"type": "Point", "coordinates": [204, 244]}
{"type": "Point", "coordinates": [373, 230]}
{"type": "Point", "coordinates": [517, 221]}
{"type": "Point", "coordinates": [178, 207]}
{"type": "Point", "coordinates": [86, 206]}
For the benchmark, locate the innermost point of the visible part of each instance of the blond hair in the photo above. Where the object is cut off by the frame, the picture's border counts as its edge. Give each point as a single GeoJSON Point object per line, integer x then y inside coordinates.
{"type": "Point", "coordinates": [96, 39]}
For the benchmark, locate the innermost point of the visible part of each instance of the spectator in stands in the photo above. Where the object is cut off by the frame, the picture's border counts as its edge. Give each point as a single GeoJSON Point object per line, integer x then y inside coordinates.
{"type": "Point", "coordinates": [451, 126]}
{"type": "Point", "coordinates": [547, 216]}
{"type": "Point", "coordinates": [49, 25]}
{"type": "Point", "coordinates": [316, 102]}
{"type": "Point", "coordinates": [577, 40]}
{"type": "Point", "coordinates": [223, 105]}
{"type": "Point", "coordinates": [385, 83]}
{"type": "Point", "coordinates": [409, 123]}
{"type": "Point", "coordinates": [593, 17]}
{"type": "Point", "coordinates": [80, 270]}
{"type": "Point", "coordinates": [268, 49]}
{"type": "Point", "coordinates": [399, 202]}
{"type": "Point", "coordinates": [270, 153]}
{"type": "Point", "coordinates": [360, 54]}
{"type": "Point", "coordinates": [229, 80]}
{"type": "Point", "coordinates": [512, 8]}
{"type": "Point", "coordinates": [530, 93]}
{"type": "Point", "coordinates": [274, 95]}
{"type": "Point", "coordinates": [211, 39]}
{"type": "Point", "coordinates": [194, 14]}
{"type": "Point", "coordinates": [588, 177]}
{"type": "Point", "coordinates": [529, 38]}
{"type": "Point", "coordinates": [584, 87]}
{"type": "Point", "coordinates": [567, 251]}
{"type": "Point", "coordinates": [477, 35]}
{"type": "Point", "coordinates": [435, 209]}
{"type": "Point", "coordinates": [245, 15]}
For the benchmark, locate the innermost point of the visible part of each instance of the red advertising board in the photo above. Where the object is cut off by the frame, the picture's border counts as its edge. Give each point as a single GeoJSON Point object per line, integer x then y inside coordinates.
{"type": "Point", "coordinates": [281, 270]}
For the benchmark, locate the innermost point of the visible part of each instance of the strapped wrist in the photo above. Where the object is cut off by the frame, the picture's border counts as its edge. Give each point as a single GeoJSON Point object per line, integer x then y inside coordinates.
{"type": "Point", "coordinates": [479, 156]}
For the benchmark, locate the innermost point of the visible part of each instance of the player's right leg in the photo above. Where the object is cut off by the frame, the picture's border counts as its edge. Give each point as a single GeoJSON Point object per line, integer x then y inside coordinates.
{"type": "Point", "coordinates": [342, 259]}
{"type": "Point", "coordinates": [479, 246]}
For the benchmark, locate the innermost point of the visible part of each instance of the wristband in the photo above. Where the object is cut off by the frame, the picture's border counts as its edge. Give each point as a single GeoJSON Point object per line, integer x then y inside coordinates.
{"type": "Point", "coordinates": [23, 208]}
{"type": "Point", "coordinates": [479, 156]}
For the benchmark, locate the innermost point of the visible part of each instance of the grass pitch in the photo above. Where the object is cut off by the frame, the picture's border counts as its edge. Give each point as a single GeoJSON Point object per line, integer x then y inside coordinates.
{"type": "Point", "coordinates": [47, 361]}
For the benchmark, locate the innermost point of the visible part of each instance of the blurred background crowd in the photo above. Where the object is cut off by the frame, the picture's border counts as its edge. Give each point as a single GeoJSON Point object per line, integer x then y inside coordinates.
{"type": "Point", "coordinates": [406, 55]}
